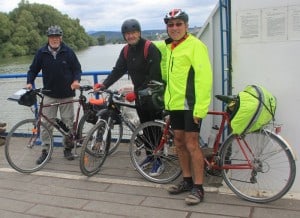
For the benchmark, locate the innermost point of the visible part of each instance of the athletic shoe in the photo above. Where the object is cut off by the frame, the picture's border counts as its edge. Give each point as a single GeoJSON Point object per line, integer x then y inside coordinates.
{"type": "Point", "coordinates": [68, 154]}
{"type": "Point", "coordinates": [42, 157]}
{"type": "Point", "coordinates": [147, 162]}
{"type": "Point", "coordinates": [183, 186]}
{"type": "Point", "coordinates": [157, 168]}
{"type": "Point", "coordinates": [195, 197]}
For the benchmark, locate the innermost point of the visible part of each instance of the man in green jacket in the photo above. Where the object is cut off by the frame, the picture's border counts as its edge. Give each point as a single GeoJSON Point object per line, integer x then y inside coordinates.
{"type": "Point", "coordinates": [187, 72]}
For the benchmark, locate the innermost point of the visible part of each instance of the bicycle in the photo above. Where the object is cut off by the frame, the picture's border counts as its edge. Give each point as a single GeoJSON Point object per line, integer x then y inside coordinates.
{"type": "Point", "coordinates": [109, 129]}
{"type": "Point", "coordinates": [23, 144]}
{"type": "Point", "coordinates": [96, 145]}
{"type": "Point", "coordinates": [257, 166]}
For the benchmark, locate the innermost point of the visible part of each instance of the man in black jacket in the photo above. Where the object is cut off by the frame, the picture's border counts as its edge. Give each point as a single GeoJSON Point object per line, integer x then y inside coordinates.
{"type": "Point", "coordinates": [141, 69]}
{"type": "Point", "coordinates": [61, 76]}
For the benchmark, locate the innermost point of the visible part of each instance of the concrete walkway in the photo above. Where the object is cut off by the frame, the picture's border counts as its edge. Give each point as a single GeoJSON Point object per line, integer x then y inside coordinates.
{"type": "Point", "coordinates": [60, 190]}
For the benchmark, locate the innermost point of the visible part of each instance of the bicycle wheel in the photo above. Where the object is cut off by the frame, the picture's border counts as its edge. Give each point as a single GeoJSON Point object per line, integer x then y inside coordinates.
{"type": "Point", "coordinates": [84, 127]}
{"type": "Point", "coordinates": [95, 148]}
{"type": "Point", "coordinates": [23, 146]}
{"type": "Point", "coordinates": [273, 166]}
{"type": "Point", "coordinates": [143, 142]}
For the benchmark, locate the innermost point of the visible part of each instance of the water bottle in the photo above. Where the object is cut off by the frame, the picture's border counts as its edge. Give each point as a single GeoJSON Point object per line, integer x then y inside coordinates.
{"type": "Point", "coordinates": [212, 137]}
{"type": "Point", "coordinates": [62, 125]}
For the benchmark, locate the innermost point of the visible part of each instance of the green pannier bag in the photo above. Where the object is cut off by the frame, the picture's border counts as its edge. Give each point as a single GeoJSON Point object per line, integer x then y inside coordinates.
{"type": "Point", "coordinates": [253, 108]}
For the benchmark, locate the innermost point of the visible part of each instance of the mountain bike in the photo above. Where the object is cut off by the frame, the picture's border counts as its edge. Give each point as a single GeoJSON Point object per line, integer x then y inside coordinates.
{"type": "Point", "coordinates": [23, 143]}
{"type": "Point", "coordinates": [257, 166]}
{"type": "Point", "coordinates": [108, 130]}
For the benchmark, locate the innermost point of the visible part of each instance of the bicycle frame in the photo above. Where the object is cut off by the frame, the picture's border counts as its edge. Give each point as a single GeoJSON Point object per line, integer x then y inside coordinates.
{"type": "Point", "coordinates": [73, 130]}
{"type": "Point", "coordinates": [212, 163]}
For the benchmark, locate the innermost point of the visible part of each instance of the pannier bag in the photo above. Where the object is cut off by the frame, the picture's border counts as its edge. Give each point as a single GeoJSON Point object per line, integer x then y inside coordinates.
{"type": "Point", "coordinates": [253, 108]}
{"type": "Point", "coordinates": [28, 98]}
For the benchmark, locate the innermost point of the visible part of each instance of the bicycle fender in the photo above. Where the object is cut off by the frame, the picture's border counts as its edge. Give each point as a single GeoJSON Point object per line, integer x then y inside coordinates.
{"type": "Point", "coordinates": [290, 147]}
{"type": "Point", "coordinates": [160, 121]}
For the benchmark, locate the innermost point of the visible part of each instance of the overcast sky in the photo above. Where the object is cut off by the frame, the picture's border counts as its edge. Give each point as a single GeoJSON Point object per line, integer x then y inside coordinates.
{"type": "Point", "coordinates": [108, 15]}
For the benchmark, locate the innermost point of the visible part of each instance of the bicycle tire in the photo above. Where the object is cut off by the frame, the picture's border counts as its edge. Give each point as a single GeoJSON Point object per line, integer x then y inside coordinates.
{"type": "Point", "coordinates": [274, 166]}
{"type": "Point", "coordinates": [116, 137]}
{"type": "Point", "coordinates": [21, 153]}
{"type": "Point", "coordinates": [83, 128]}
{"type": "Point", "coordinates": [151, 133]}
{"type": "Point", "coordinates": [95, 149]}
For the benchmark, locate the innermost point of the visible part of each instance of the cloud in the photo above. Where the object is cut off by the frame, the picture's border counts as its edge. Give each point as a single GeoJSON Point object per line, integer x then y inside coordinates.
{"type": "Point", "coordinates": [109, 14]}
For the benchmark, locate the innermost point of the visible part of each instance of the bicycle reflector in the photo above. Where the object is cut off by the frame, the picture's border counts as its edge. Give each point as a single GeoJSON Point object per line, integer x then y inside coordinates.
{"type": "Point", "coordinates": [28, 98]}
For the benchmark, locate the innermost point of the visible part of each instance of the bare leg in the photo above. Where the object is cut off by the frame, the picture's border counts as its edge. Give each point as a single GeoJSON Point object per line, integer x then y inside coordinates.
{"type": "Point", "coordinates": [197, 162]}
{"type": "Point", "coordinates": [183, 153]}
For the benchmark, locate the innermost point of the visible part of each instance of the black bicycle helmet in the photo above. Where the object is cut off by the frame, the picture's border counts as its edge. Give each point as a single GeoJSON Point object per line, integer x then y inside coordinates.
{"type": "Point", "coordinates": [176, 14]}
{"type": "Point", "coordinates": [130, 25]}
{"type": "Point", "coordinates": [54, 31]}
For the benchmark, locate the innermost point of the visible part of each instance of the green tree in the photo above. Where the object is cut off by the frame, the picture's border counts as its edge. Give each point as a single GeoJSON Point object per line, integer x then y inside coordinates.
{"type": "Point", "coordinates": [23, 30]}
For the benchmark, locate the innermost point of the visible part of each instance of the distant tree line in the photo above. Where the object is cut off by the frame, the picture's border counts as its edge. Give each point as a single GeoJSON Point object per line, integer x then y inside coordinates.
{"type": "Point", "coordinates": [23, 30]}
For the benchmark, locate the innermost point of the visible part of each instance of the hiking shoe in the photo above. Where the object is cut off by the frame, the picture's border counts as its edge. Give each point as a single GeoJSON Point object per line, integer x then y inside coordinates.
{"type": "Point", "coordinates": [42, 157]}
{"type": "Point", "coordinates": [157, 168]}
{"type": "Point", "coordinates": [183, 186]}
{"type": "Point", "coordinates": [147, 162]}
{"type": "Point", "coordinates": [195, 197]}
{"type": "Point", "coordinates": [68, 154]}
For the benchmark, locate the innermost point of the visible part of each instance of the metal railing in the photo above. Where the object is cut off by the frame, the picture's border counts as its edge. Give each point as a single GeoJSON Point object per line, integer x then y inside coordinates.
{"type": "Point", "coordinates": [12, 113]}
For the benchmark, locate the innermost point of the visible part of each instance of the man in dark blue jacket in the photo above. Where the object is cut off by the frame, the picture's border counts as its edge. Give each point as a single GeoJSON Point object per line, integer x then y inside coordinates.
{"type": "Point", "coordinates": [61, 72]}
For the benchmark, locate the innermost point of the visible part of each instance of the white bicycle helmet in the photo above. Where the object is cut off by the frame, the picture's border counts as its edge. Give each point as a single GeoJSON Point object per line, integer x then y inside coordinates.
{"type": "Point", "coordinates": [176, 14]}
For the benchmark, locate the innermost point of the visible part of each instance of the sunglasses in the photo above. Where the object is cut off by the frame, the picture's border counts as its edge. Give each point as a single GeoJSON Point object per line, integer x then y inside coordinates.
{"type": "Point", "coordinates": [174, 24]}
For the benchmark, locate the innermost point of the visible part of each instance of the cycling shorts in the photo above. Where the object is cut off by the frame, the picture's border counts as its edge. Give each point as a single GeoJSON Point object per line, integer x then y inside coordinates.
{"type": "Point", "coordinates": [184, 120]}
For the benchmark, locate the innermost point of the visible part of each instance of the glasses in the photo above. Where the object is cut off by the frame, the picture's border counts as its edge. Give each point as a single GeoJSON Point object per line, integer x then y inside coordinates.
{"type": "Point", "coordinates": [175, 24]}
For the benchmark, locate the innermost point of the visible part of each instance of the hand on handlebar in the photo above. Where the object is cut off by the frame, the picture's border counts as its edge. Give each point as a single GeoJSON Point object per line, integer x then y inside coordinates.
{"type": "Point", "coordinates": [75, 85]}
{"type": "Point", "coordinates": [99, 87]}
{"type": "Point", "coordinates": [130, 96]}
{"type": "Point", "coordinates": [29, 86]}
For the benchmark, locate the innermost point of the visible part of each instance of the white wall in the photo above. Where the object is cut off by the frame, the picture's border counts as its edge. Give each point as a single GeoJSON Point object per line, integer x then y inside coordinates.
{"type": "Point", "coordinates": [266, 51]}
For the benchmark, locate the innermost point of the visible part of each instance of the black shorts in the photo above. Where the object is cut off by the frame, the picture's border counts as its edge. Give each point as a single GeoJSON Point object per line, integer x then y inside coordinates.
{"type": "Point", "coordinates": [184, 120]}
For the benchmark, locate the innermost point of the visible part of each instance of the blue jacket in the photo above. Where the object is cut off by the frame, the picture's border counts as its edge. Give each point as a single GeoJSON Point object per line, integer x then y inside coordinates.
{"type": "Point", "coordinates": [58, 73]}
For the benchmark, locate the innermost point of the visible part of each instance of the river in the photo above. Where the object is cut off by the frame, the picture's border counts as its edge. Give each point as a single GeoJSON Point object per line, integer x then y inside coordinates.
{"type": "Point", "coordinates": [95, 58]}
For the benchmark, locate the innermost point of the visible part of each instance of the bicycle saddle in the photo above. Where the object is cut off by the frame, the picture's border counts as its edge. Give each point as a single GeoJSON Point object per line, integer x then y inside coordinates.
{"type": "Point", "coordinates": [226, 98]}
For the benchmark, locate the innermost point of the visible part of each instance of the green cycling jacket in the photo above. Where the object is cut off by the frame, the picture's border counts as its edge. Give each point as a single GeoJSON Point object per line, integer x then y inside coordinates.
{"type": "Point", "coordinates": [187, 72]}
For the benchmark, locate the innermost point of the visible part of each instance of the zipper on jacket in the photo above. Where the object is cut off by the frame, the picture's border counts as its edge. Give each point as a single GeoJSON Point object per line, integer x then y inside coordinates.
{"type": "Point", "coordinates": [171, 62]}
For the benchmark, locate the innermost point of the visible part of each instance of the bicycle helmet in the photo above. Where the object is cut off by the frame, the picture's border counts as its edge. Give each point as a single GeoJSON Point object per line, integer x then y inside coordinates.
{"type": "Point", "coordinates": [176, 14]}
{"type": "Point", "coordinates": [54, 31]}
{"type": "Point", "coordinates": [130, 25]}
